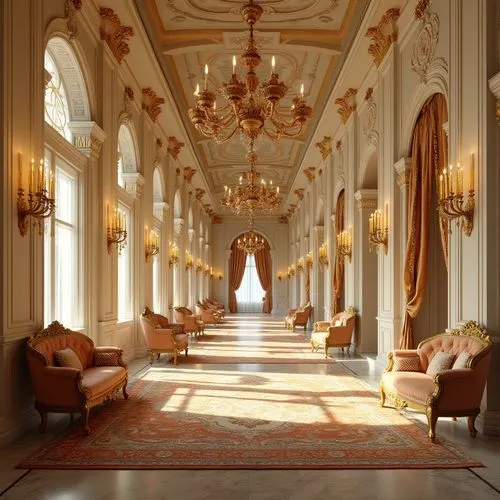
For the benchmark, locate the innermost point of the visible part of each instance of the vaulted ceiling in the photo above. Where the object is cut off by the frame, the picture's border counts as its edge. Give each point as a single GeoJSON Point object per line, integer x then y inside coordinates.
{"type": "Point", "coordinates": [310, 39]}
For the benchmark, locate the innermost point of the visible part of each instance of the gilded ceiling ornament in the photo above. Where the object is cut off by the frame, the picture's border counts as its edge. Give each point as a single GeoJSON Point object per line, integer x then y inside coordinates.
{"type": "Point", "coordinates": [338, 146]}
{"type": "Point", "coordinates": [151, 103]}
{"type": "Point", "coordinates": [383, 35]}
{"type": "Point", "coordinates": [300, 193]}
{"type": "Point", "coordinates": [283, 219]}
{"type": "Point", "coordinates": [174, 147]}
{"type": "Point", "coordinates": [309, 172]}
{"type": "Point", "coordinates": [325, 147]}
{"type": "Point", "coordinates": [424, 47]}
{"type": "Point", "coordinates": [347, 104]}
{"type": "Point", "coordinates": [189, 173]}
{"type": "Point", "coordinates": [114, 33]}
{"type": "Point", "coordinates": [71, 7]}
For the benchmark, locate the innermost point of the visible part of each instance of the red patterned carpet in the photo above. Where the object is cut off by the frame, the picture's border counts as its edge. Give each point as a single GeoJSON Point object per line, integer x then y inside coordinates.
{"type": "Point", "coordinates": [242, 339]}
{"type": "Point", "coordinates": [186, 418]}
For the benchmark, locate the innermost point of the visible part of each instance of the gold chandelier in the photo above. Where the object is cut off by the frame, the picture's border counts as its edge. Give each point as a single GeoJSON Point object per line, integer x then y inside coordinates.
{"type": "Point", "coordinates": [253, 196]}
{"type": "Point", "coordinates": [250, 242]}
{"type": "Point", "coordinates": [252, 107]}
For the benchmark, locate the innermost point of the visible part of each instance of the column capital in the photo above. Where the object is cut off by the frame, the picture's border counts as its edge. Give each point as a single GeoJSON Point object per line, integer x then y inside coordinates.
{"type": "Point", "coordinates": [134, 183]}
{"type": "Point", "coordinates": [87, 137]}
{"type": "Point", "coordinates": [178, 223]}
{"type": "Point", "coordinates": [366, 199]}
{"type": "Point", "coordinates": [402, 168]}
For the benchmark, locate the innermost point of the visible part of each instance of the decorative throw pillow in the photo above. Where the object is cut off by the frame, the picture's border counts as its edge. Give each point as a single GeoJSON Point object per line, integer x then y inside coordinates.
{"type": "Point", "coordinates": [461, 361]}
{"type": "Point", "coordinates": [68, 359]}
{"type": "Point", "coordinates": [440, 362]}
{"type": "Point", "coordinates": [406, 364]}
{"type": "Point", "coordinates": [338, 322]}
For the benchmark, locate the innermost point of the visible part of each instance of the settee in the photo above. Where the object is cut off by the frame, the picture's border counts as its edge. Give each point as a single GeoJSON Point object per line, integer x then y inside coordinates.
{"type": "Point", "coordinates": [445, 376]}
{"type": "Point", "coordinates": [89, 377]}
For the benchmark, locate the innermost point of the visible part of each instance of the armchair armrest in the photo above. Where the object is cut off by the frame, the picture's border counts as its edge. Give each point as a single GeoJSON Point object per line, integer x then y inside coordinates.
{"type": "Point", "coordinates": [321, 326]}
{"type": "Point", "coordinates": [292, 311]}
{"type": "Point", "coordinates": [108, 356]}
{"type": "Point", "coordinates": [400, 353]}
{"type": "Point", "coordinates": [62, 371]}
{"type": "Point", "coordinates": [59, 386]}
{"type": "Point", "coordinates": [456, 390]}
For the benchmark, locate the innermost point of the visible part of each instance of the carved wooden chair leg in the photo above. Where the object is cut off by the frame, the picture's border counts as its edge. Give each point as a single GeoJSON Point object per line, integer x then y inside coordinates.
{"type": "Point", "coordinates": [382, 396]}
{"type": "Point", "coordinates": [43, 421]}
{"type": "Point", "coordinates": [157, 355]}
{"type": "Point", "coordinates": [454, 419]}
{"type": "Point", "coordinates": [175, 357]}
{"type": "Point", "coordinates": [326, 350]}
{"type": "Point", "coordinates": [432, 421]}
{"type": "Point", "coordinates": [152, 358]}
{"type": "Point", "coordinates": [85, 420]}
{"type": "Point", "coordinates": [71, 418]}
{"type": "Point", "coordinates": [124, 391]}
{"type": "Point", "coordinates": [471, 420]}
{"type": "Point", "coordinates": [186, 351]}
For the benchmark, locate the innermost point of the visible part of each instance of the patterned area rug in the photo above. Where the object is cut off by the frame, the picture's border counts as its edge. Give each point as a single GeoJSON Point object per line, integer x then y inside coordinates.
{"type": "Point", "coordinates": [222, 419]}
{"type": "Point", "coordinates": [240, 340]}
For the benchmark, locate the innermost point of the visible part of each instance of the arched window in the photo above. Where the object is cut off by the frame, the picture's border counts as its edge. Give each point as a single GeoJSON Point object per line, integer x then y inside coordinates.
{"type": "Point", "coordinates": [127, 163]}
{"type": "Point", "coordinates": [56, 101]}
{"type": "Point", "coordinates": [65, 101]}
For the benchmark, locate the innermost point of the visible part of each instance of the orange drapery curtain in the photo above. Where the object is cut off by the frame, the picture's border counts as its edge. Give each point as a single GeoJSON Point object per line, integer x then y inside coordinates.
{"type": "Point", "coordinates": [237, 263]}
{"type": "Point", "coordinates": [264, 266]}
{"type": "Point", "coordinates": [338, 271]}
{"type": "Point", "coordinates": [429, 155]}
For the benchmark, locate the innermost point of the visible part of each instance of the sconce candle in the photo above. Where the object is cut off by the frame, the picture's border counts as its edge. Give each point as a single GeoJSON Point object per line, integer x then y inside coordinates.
{"type": "Point", "coordinates": [451, 196]}
{"type": "Point", "coordinates": [116, 232]}
{"type": "Point", "coordinates": [39, 203]}
{"type": "Point", "coordinates": [344, 243]}
{"type": "Point", "coordinates": [378, 229]}
{"type": "Point", "coordinates": [151, 243]}
{"type": "Point", "coordinates": [323, 256]}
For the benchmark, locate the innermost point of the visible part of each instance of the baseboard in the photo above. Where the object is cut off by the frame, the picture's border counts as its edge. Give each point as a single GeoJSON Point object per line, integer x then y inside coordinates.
{"type": "Point", "coordinates": [12, 428]}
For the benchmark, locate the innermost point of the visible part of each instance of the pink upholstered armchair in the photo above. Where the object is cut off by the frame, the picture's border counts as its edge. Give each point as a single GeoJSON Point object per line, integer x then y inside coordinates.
{"type": "Point", "coordinates": [334, 333]}
{"type": "Point", "coordinates": [298, 317]}
{"type": "Point", "coordinates": [207, 315]}
{"type": "Point", "coordinates": [161, 336]}
{"type": "Point", "coordinates": [192, 324]}
{"type": "Point", "coordinates": [444, 376]}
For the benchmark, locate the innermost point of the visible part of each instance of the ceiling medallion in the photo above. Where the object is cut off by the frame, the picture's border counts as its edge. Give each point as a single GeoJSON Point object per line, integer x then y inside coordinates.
{"type": "Point", "coordinates": [252, 106]}
{"type": "Point", "coordinates": [253, 196]}
{"type": "Point", "coordinates": [251, 243]}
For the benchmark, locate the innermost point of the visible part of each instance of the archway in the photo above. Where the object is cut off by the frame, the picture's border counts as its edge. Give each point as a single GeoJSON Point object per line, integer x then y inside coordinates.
{"type": "Point", "coordinates": [425, 276]}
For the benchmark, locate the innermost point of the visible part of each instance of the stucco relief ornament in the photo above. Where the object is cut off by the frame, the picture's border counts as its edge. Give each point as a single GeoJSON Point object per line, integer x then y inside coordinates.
{"type": "Point", "coordinates": [371, 118]}
{"type": "Point", "coordinates": [300, 193]}
{"type": "Point", "coordinates": [71, 7]}
{"type": "Point", "coordinates": [174, 147]}
{"type": "Point", "coordinates": [424, 48]}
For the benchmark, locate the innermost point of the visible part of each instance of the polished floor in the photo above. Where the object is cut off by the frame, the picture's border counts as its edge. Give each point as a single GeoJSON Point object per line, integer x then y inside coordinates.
{"type": "Point", "coordinates": [477, 483]}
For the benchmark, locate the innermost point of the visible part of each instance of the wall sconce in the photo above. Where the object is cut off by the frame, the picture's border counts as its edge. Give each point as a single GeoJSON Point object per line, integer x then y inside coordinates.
{"type": "Point", "coordinates": [189, 261]}
{"type": "Point", "coordinates": [151, 243]}
{"type": "Point", "coordinates": [300, 264]}
{"type": "Point", "coordinates": [451, 197]}
{"type": "Point", "coordinates": [309, 260]}
{"type": "Point", "coordinates": [323, 256]}
{"type": "Point", "coordinates": [211, 272]}
{"type": "Point", "coordinates": [280, 277]}
{"type": "Point", "coordinates": [173, 254]}
{"type": "Point", "coordinates": [344, 243]}
{"type": "Point", "coordinates": [207, 269]}
{"type": "Point", "coordinates": [199, 265]}
{"type": "Point", "coordinates": [291, 271]}
{"type": "Point", "coordinates": [116, 233]}
{"type": "Point", "coordinates": [378, 232]}
{"type": "Point", "coordinates": [40, 200]}
{"type": "Point", "coordinates": [219, 276]}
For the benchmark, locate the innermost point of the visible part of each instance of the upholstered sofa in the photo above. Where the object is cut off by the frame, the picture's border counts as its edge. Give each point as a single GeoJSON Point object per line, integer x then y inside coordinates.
{"type": "Point", "coordinates": [450, 385]}
{"type": "Point", "coordinates": [161, 336]}
{"type": "Point", "coordinates": [65, 389]}
{"type": "Point", "coordinates": [334, 333]}
{"type": "Point", "coordinates": [298, 317]}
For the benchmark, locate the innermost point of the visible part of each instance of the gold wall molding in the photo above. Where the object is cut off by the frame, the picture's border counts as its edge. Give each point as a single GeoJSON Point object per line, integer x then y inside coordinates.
{"type": "Point", "coordinates": [189, 173]}
{"type": "Point", "coordinates": [71, 8]}
{"type": "Point", "coordinates": [151, 103]}
{"type": "Point", "coordinates": [383, 35]}
{"type": "Point", "coordinates": [300, 193]}
{"type": "Point", "coordinates": [347, 104]}
{"type": "Point", "coordinates": [174, 147]}
{"type": "Point", "coordinates": [421, 8]}
{"type": "Point", "coordinates": [199, 193]}
{"type": "Point", "coordinates": [309, 172]}
{"type": "Point", "coordinates": [325, 147]}
{"type": "Point", "coordinates": [114, 33]}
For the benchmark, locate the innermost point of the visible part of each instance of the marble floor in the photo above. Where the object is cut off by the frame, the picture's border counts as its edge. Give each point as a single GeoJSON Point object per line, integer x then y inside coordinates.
{"type": "Point", "coordinates": [477, 483]}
